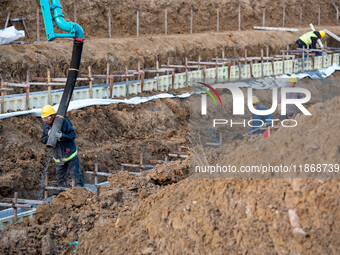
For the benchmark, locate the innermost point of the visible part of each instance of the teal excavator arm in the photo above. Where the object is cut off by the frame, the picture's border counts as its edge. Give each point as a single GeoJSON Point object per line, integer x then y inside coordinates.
{"type": "Point", "coordinates": [76, 32]}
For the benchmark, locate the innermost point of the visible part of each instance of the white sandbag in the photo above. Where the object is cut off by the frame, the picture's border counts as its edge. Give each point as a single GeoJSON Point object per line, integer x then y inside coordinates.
{"type": "Point", "coordinates": [10, 34]}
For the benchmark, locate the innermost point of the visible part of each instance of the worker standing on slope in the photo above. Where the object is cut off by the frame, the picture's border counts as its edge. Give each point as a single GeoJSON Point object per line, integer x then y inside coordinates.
{"type": "Point", "coordinates": [290, 108]}
{"type": "Point", "coordinates": [65, 152]}
{"type": "Point", "coordinates": [308, 40]}
{"type": "Point", "coordinates": [259, 120]}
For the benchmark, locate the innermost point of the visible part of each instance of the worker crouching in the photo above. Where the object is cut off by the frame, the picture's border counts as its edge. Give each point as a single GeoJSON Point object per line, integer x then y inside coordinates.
{"type": "Point", "coordinates": [65, 151]}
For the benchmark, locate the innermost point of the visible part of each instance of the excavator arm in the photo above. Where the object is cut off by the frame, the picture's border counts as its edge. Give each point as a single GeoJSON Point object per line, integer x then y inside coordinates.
{"type": "Point", "coordinates": [52, 12]}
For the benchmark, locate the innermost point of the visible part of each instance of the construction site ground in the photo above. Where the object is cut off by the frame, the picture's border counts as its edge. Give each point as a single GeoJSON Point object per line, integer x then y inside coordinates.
{"type": "Point", "coordinates": [166, 210]}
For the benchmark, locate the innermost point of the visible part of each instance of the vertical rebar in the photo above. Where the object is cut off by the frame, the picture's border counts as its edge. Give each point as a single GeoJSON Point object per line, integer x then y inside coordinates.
{"type": "Point", "coordinates": [166, 21]}
{"type": "Point", "coordinates": [27, 89]}
{"type": "Point", "coordinates": [191, 20]}
{"type": "Point", "coordinates": [109, 14]}
{"type": "Point", "coordinates": [218, 20]}
{"type": "Point", "coordinates": [137, 23]}
{"type": "Point", "coordinates": [38, 25]}
{"type": "Point", "coordinates": [284, 15]}
{"type": "Point", "coordinates": [264, 17]}
{"type": "Point", "coordinates": [239, 18]}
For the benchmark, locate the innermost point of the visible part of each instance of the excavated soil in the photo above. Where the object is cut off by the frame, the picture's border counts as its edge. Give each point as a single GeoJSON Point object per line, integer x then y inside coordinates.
{"type": "Point", "coordinates": [165, 211]}
{"type": "Point", "coordinates": [106, 135]}
{"type": "Point", "coordinates": [139, 215]}
{"type": "Point", "coordinates": [93, 15]}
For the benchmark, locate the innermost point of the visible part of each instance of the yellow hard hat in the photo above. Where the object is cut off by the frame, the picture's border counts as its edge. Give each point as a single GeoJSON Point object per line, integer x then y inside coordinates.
{"type": "Point", "coordinates": [322, 33]}
{"type": "Point", "coordinates": [255, 100]}
{"type": "Point", "coordinates": [292, 79]}
{"type": "Point", "coordinates": [46, 111]}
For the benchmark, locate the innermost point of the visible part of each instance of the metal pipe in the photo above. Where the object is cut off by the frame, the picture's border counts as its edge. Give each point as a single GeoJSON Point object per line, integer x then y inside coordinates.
{"type": "Point", "coordinates": [70, 26]}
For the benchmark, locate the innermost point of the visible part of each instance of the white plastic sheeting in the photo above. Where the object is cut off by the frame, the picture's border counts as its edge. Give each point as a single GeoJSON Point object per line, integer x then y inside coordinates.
{"type": "Point", "coordinates": [10, 34]}
{"type": "Point", "coordinates": [78, 104]}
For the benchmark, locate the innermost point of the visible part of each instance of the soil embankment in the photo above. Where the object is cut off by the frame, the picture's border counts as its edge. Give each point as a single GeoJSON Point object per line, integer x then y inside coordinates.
{"type": "Point", "coordinates": [15, 60]}
{"type": "Point", "coordinates": [140, 215]}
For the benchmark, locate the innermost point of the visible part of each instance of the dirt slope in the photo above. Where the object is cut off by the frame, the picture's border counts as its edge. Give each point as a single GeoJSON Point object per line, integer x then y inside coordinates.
{"type": "Point", "coordinates": [218, 216]}
{"type": "Point", "coordinates": [15, 60]}
{"type": "Point", "coordinates": [93, 15]}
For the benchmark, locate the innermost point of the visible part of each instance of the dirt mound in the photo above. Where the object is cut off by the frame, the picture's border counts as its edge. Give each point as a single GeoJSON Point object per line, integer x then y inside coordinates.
{"type": "Point", "coordinates": [196, 215]}
{"type": "Point", "coordinates": [224, 216]}
{"type": "Point", "coordinates": [168, 173]}
{"type": "Point", "coordinates": [237, 215]}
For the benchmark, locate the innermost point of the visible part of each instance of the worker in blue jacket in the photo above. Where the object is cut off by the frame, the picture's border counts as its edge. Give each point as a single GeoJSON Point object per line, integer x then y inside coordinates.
{"type": "Point", "coordinates": [65, 152]}
{"type": "Point", "coordinates": [259, 120]}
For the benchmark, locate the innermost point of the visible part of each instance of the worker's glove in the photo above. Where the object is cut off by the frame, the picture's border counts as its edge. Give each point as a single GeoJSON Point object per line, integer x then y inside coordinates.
{"type": "Point", "coordinates": [59, 135]}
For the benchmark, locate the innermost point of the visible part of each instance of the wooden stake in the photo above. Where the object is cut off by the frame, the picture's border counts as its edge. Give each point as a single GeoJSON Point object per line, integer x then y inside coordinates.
{"type": "Point", "coordinates": [218, 20]}
{"type": "Point", "coordinates": [251, 68]}
{"type": "Point", "coordinates": [239, 70]}
{"type": "Point", "coordinates": [191, 20]}
{"type": "Point", "coordinates": [157, 74]}
{"type": "Point", "coordinates": [229, 70]}
{"type": "Point", "coordinates": [166, 21]}
{"type": "Point", "coordinates": [303, 58]}
{"type": "Point", "coordinates": [186, 73]}
{"type": "Point", "coordinates": [216, 70]}
{"type": "Point", "coordinates": [49, 86]}
{"type": "Point", "coordinates": [141, 160]}
{"type": "Point", "coordinates": [138, 68]}
{"type": "Point", "coordinates": [107, 72]}
{"type": "Point", "coordinates": [137, 23]}
{"type": "Point", "coordinates": [111, 86]}
{"type": "Point", "coordinates": [264, 17]}
{"type": "Point", "coordinates": [127, 82]}
{"type": "Point", "coordinates": [38, 25]}
{"type": "Point", "coordinates": [173, 79]}
{"type": "Point", "coordinates": [73, 183]}
{"type": "Point", "coordinates": [319, 15]}
{"type": "Point", "coordinates": [239, 18]}
{"type": "Point", "coordinates": [15, 209]}
{"type": "Point", "coordinates": [27, 89]}
{"type": "Point", "coordinates": [46, 182]}
{"type": "Point", "coordinates": [301, 15]}
{"type": "Point", "coordinates": [204, 73]}
{"type": "Point", "coordinates": [90, 81]}
{"type": "Point", "coordinates": [283, 63]}
{"type": "Point", "coordinates": [96, 174]}
{"type": "Point", "coordinates": [142, 81]}
{"type": "Point", "coordinates": [2, 95]}
{"type": "Point", "coordinates": [262, 71]}
{"type": "Point", "coordinates": [109, 14]}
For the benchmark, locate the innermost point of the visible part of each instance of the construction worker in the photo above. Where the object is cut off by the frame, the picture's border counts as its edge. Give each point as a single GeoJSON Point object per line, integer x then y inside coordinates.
{"type": "Point", "coordinates": [290, 108]}
{"type": "Point", "coordinates": [65, 152]}
{"type": "Point", "coordinates": [259, 121]}
{"type": "Point", "coordinates": [308, 40]}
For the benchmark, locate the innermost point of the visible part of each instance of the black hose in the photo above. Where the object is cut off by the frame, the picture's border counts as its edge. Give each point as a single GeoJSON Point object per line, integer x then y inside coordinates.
{"type": "Point", "coordinates": [67, 94]}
